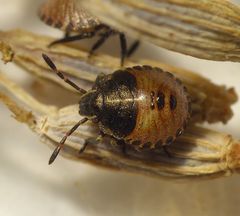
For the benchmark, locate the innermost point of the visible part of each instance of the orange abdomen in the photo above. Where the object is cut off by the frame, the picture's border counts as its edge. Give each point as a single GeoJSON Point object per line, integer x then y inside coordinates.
{"type": "Point", "coordinates": [163, 107]}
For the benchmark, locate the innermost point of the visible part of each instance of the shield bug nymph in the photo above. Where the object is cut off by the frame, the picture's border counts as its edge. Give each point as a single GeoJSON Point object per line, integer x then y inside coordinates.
{"type": "Point", "coordinates": [141, 106]}
{"type": "Point", "coordinates": [69, 16]}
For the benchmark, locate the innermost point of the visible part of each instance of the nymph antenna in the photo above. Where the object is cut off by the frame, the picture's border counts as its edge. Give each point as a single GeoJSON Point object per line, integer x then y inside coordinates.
{"type": "Point", "coordinates": [61, 144]}
{"type": "Point", "coordinates": [60, 74]}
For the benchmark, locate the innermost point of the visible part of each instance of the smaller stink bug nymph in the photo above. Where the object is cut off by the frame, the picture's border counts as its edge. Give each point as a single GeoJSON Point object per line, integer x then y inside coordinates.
{"type": "Point", "coordinates": [69, 16]}
{"type": "Point", "coordinates": [141, 106]}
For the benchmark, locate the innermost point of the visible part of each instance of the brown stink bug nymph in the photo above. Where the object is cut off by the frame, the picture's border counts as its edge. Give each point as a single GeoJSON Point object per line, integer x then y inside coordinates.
{"type": "Point", "coordinates": [141, 106]}
{"type": "Point", "coordinates": [69, 16]}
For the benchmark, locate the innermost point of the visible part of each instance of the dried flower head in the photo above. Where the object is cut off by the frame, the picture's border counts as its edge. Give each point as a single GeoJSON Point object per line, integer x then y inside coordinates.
{"type": "Point", "coordinates": [198, 153]}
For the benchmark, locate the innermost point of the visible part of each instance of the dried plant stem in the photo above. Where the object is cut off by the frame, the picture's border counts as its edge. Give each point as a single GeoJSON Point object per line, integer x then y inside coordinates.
{"type": "Point", "coordinates": [21, 95]}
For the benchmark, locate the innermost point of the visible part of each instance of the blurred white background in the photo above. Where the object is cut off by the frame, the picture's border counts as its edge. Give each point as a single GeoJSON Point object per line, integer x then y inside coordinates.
{"type": "Point", "coordinates": [28, 186]}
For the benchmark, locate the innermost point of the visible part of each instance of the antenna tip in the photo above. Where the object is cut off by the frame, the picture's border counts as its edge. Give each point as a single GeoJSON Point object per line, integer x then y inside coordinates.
{"type": "Point", "coordinates": [45, 57]}
{"type": "Point", "coordinates": [49, 62]}
{"type": "Point", "coordinates": [54, 155]}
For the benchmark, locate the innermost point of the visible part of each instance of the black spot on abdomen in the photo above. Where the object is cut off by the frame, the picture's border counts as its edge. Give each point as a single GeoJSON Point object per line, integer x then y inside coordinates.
{"type": "Point", "coordinates": [160, 100]}
{"type": "Point", "coordinates": [173, 102]}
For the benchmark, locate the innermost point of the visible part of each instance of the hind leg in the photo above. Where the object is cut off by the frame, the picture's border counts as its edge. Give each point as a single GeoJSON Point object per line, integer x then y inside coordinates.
{"type": "Point", "coordinates": [132, 49]}
{"type": "Point", "coordinates": [103, 37]}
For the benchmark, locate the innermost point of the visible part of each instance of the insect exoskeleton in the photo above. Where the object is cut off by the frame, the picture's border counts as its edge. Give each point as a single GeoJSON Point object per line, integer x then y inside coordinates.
{"type": "Point", "coordinates": [69, 16]}
{"type": "Point", "coordinates": [142, 106]}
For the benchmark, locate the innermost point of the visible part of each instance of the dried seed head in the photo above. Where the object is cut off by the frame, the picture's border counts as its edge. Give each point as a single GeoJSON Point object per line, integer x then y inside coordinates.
{"type": "Point", "coordinates": [68, 16]}
{"type": "Point", "coordinates": [203, 29]}
{"type": "Point", "coordinates": [199, 153]}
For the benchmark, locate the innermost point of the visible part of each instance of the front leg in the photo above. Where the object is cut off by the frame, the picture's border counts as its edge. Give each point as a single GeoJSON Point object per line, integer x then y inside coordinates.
{"type": "Point", "coordinates": [83, 147]}
{"type": "Point", "coordinates": [132, 49]}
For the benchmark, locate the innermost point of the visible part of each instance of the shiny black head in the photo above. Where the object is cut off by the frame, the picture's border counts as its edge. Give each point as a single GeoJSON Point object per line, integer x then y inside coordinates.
{"type": "Point", "coordinates": [90, 104]}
